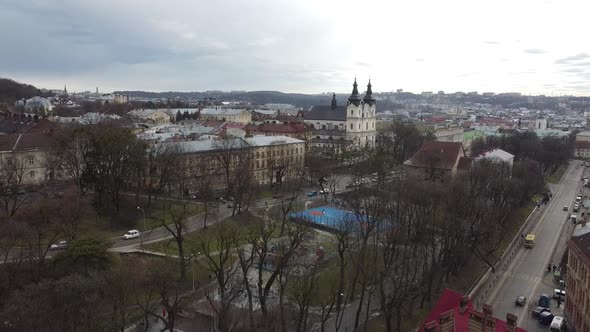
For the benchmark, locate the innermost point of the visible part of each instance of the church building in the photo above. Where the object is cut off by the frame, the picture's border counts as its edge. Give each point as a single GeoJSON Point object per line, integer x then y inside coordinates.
{"type": "Point", "coordinates": [344, 127]}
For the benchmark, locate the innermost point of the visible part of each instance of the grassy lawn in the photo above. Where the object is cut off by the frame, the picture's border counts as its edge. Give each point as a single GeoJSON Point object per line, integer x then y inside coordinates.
{"type": "Point", "coordinates": [130, 217]}
{"type": "Point", "coordinates": [193, 240]}
{"type": "Point", "coordinates": [555, 177]}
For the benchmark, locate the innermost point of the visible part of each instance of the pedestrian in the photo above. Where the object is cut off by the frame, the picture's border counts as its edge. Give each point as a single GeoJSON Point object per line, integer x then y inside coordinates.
{"type": "Point", "coordinates": [558, 301]}
{"type": "Point", "coordinates": [548, 267]}
{"type": "Point", "coordinates": [554, 267]}
{"type": "Point", "coordinates": [522, 236]}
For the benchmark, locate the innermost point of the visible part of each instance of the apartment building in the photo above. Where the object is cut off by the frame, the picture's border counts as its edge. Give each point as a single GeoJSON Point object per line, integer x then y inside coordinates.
{"type": "Point", "coordinates": [577, 302]}
{"type": "Point", "coordinates": [267, 159]}
{"type": "Point", "coordinates": [226, 115]}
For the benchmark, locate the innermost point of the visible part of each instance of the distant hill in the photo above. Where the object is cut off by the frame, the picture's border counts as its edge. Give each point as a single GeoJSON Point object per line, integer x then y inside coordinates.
{"type": "Point", "coordinates": [11, 91]}
{"type": "Point", "coordinates": [257, 97]}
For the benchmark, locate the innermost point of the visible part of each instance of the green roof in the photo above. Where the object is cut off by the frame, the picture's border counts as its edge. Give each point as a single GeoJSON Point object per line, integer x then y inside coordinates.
{"type": "Point", "coordinates": [551, 132]}
{"type": "Point", "coordinates": [471, 135]}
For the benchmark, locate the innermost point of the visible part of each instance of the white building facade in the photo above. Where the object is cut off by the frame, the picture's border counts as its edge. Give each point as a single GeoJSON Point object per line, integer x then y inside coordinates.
{"type": "Point", "coordinates": [343, 127]}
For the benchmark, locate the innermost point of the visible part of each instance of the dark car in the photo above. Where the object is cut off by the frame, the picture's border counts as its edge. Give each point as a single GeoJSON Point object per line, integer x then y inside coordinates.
{"type": "Point", "coordinates": [539, 310]}
{"type": "Point", "coordinates": [520, 301]}
{"type": "Point", "coordinates": [545, 318]}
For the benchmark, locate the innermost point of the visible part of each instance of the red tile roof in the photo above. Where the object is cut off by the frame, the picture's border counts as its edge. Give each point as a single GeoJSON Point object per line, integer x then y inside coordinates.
{"type": "Point", "coordinates": [449, 301]}
{"type": "Point", "coordinates": [443, 155]}
{"type": "Point", "coordinates": [465, 163]}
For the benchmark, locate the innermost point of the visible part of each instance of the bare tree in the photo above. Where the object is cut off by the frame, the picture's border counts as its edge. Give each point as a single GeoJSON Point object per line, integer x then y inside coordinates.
{"type": "Point", "coordinates": [218, 249]}
{"type": "Point", "coordinates": [69, 154]}
{"type": "Point", "coordinates": [12, 171]}
{"type": "Point", "coordinates": [176, 227]}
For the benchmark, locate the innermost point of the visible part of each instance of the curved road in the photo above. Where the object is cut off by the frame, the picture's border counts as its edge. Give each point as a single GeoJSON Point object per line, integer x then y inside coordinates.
{"type": "Point", "coordinates": [525, 275]}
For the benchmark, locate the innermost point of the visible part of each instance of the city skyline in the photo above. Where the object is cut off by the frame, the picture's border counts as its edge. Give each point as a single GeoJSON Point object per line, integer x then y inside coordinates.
{"type": "Point", "coordinates": [307, 47]}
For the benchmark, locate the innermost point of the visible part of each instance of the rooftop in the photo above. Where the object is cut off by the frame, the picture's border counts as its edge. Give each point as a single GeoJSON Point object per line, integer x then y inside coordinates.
{"type": "Point", "coordinates": [496, 154]}
{"type": "Point", "coordinates": [440, 155]}
{"type": "Point", "coordinates": [449, 304]}
{"type": "Point", "coordinates": [325, 112]}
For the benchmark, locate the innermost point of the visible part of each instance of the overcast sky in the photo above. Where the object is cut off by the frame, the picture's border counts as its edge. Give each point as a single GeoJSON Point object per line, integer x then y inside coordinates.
{"type": "Point", "coordinates": [311, 46]}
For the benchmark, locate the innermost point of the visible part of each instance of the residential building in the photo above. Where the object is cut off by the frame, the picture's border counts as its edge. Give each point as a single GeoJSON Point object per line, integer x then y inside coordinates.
{"type": "Point", "coordinates": [298, 130]}
{"type": "Point", "coordinates": [454, 312]}
{"type": "Point", "coordinates": [120, 98]}
{"type": "Point", "coordinates": [336, 128]}
{"type": "Point", "coordinates": [451, 133]}
{"type": "Point", "coordinates": [227, 115]}
{"type": "Point", "coordinates": [435, 160]}
{"type": "Point", "coordinates": [497, 155]}
{"type": "Point", "coordinates": [272, 159]}
{"type": "Point", "coordinates": [28, 153]}
{"type": "Point", "coordinates": [582, 145]}
{"type": "Point", "coordinates": [577, 285]}
{"type": "Point", "coordinates": [37, 105]}
{"type": "Point", "coordinates": [150, 116]}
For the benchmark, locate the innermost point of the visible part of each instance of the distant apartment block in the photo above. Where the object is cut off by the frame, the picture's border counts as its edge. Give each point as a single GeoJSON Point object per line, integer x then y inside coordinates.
{"type": "Point", "coordinates": [582, 145]}
{"type": "Point", "coordinates": [227, 115]}
{"type": "Point", "coordinates": [577, 301]}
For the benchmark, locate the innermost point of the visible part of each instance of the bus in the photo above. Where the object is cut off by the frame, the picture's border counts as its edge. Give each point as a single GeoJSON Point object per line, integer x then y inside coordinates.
{"type": "Point", "coordinates": [529, 241]}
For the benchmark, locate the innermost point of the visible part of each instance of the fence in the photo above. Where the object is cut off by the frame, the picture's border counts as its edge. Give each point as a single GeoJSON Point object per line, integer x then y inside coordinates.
{"type": "Point", "coordinates": [479, 293]}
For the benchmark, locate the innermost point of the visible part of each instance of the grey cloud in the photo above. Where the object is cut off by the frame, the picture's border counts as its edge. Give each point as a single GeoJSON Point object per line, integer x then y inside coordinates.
{"type": "Point", "coordinates": [573, 58]}
{"type": "Point", "coordinates": [534, 51]}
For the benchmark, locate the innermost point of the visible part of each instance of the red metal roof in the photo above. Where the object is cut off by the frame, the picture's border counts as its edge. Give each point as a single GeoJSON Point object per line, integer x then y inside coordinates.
{"type": "Point", "coordinates": [449, 301]}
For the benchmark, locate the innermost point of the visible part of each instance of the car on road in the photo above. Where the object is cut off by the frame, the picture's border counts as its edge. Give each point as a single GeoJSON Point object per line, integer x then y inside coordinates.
{"type": "Point", "coordinates": [324, 191]}
{"type": "Point", "coordinates": [61, 245]}
{"type": "Point", "coordinates": [520, 301]}
{"type": "Point", "coordinates": [543, 301]}
{"type": "Point", "coordinates": [565, 208]}
{"type": "Point", "coordinates": [312, 194]}
{"type": "Point", "coordinates": [539, 310]}
{"type": "Point", "coordinates": [546, 317]}
{"type": "Point", "coordinates": [132, 234]}
{"type": "Point", "coordinates": [559, 293]}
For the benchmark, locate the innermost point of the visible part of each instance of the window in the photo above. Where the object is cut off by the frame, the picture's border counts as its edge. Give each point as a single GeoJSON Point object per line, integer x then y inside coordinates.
{"type": "Point", "coordinates": [262, 154]}
{"type": "Point", "coordinates": [373, 125]}
{"type": "Point", "coordinates": [359, 126]}
{"type": "Point", "coordinates": [367, 126]}
{"type": "Point", "coordinates": [351, 126]}
{"type": "Point", "coordinates": [351, 112]}
{"type": "Point", "coordinates": [31, 160]}
{"type": "Point", "coordinates": [32, 174]}
{"type": "Point", "coordinates": [257, 164]}
{"type": "Point", "coordinates": [257, 154]}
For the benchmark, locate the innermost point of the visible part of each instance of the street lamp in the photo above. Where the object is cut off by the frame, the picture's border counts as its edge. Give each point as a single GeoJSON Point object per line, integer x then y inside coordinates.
{"type": "Point", "coordinates": [193, 259]}
{"type": "Point", "coordinates": [141, 234]}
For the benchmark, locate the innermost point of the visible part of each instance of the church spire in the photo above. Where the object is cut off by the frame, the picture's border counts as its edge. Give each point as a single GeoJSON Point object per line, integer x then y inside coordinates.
{"type": "Point", "coordinates": [333, 105]}
{"type": "Point", "coordinates": [354, 97]}
{"type": "Point", "coordinates": [369, 94]}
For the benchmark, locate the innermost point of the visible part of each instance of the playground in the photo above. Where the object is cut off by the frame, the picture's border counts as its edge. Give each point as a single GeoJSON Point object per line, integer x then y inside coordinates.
{"type": "Point", "coordinates": [330, 217]}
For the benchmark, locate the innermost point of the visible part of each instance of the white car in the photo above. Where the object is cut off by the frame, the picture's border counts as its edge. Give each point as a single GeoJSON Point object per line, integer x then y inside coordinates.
{"type": "Point", "coordinates": [132, 234]}
{"type": "Point", "coordinates": [325, 191]}
{"type": "Point", "coordinates": [61, 245]}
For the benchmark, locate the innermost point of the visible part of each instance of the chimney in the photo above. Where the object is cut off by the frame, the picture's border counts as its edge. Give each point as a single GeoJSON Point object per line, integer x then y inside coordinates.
{"type": "Point", "coordinates": [476, 321]}
{"type": "Point", "coordinates": [463, 304]}
{"type": "Point", "coordinates": [490, 321]}
{"type": "Point", "coordinates": [511, 322]}
{"type": "Point", "coordinates": [431, 327]}
{"type": "Point", "coordinates": [447, 321]}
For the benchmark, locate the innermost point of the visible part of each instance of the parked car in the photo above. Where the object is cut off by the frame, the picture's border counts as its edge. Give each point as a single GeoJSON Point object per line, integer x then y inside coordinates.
{"type": "Point", "coordinates": [61, 245]}
{"type": "Point", "coordinates": [546, 318]}
{"type": "Point", "coordinates": [576, 208]}
{"type": "Point", "coordinates": [565, 208]}
{"type": "Point", "coordinates": [312, 194]}
{"type": "Point", "coordinates": [559, 293]}
{"type": "Point", "coordinates": [543, 301]}
{"type": "Point", "coordinates": [132, 234]}
{"type": "Point", "coordinates": [520, 301]}
{"type": "Point", "coordinates": [324, 191]}
{"type": "Point", "coordinates": [230, 205]}
{"type": "Point", "coordinates": [538, 310]}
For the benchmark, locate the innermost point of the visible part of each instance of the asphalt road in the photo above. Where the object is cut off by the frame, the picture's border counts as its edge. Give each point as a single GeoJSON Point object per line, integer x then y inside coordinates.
{"type": "Point", "coordinates": [527, 275]}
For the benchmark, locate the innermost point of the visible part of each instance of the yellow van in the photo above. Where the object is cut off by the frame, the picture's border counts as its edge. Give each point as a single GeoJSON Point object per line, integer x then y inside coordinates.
{"type": "Point", "coordinates": [529, 241]}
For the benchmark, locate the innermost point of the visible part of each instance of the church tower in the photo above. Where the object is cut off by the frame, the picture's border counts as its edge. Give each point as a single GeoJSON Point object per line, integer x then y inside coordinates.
{"type": "Point", "coordinates": [360, 117]}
